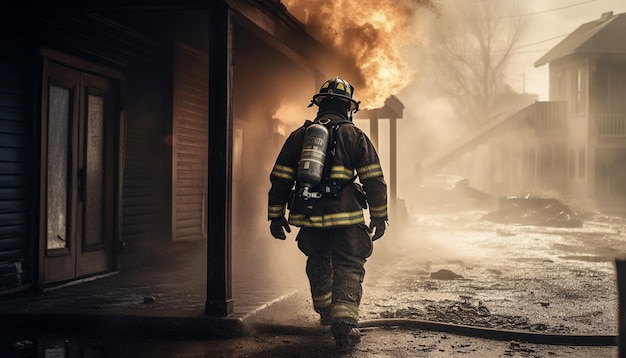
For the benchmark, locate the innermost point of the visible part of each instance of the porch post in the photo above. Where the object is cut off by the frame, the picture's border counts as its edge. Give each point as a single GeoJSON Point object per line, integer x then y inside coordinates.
{"type": "Point", "coordinates": [219, 234]}
{"type": "Point", "coordinates": [393, 165]}
{"type": "Point", "coordinates": [374, 128]}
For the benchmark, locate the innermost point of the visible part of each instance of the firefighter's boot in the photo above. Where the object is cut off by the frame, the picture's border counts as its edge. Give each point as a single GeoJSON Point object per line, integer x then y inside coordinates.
{"type": "Point", "coordinates": [346, 336]}
{"type": "Point", "coordinates": [325, 316]}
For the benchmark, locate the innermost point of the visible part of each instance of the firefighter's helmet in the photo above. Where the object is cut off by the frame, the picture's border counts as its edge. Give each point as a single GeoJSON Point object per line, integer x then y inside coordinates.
{"type": "Point", "coordinates": [336, 88]}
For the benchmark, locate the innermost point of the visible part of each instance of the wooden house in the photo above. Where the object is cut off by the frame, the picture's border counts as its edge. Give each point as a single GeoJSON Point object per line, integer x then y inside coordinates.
{"type": "Point", "coordinates": [588, 71]}
{"type": "Point", "coordinates": [123, 121]}
{"type": "Point", "coordinates": [572, 146]}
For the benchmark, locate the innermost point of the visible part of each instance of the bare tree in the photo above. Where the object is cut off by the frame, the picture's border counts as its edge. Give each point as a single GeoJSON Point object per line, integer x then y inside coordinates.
{"type": "Point", "coordinates": [472, 43]}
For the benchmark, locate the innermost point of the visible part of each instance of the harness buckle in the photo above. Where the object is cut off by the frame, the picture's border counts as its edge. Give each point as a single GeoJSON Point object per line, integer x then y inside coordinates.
{"type": "Point", "coordinates": [306, 194]}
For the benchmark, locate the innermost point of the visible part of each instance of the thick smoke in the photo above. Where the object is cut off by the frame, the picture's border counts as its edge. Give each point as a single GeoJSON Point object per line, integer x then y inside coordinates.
{"type": "Point", "coordinates": [270, 99]}
{"type": "Point", "coordinates": [372, 35]}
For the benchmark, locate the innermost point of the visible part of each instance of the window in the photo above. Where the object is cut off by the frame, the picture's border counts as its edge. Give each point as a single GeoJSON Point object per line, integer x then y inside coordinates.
{"type": "Point", "coordinates": [559, 85]}
{"type": "Point", "coordinates": [617, 90]}
{"type": "Point", "coordinates": [579, 83]}
{"type": "Point", "coordinates": [601, 93]}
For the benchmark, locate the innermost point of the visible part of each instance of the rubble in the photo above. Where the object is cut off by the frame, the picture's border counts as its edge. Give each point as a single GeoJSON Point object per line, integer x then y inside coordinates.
{"type": "Point", "coordinates": [444, 274]}
{"type": "Point", "coordinates": [468, 313]}
{"type": "Point", "coordinates": [450, 193]}
{"type": "Point", "coordinates": [548, 212]}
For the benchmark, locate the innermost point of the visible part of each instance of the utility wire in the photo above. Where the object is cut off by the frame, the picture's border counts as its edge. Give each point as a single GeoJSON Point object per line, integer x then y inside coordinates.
{"type": "Point", "coordinates": [557, 8]}
{"type": "Point", "coordinates": [530, 51]}
{"type": "Point", "coordinates": [551, 10]}
{"type": "Point", "coordinates": [539, 42]}
{"type": "Point", "coordinates": [545, 11]}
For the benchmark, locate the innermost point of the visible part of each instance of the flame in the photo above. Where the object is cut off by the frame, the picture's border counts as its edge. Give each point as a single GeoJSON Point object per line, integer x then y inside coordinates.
{"type": "Point", "coordinates": [289, 116]}
{"type": "Point", "coordinates": [372, 34]}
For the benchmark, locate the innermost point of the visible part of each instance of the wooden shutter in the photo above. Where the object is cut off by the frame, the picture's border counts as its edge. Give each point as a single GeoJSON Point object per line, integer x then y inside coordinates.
{"type": "Point", "coordinates": [189, 144]}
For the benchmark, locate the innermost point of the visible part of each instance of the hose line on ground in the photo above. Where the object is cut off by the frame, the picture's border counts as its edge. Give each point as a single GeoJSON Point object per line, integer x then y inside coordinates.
{"type": "Point", "coordinates": [451, 328]}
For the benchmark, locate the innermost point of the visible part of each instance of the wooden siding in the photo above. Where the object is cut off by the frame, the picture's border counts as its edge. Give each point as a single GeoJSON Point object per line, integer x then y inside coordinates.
{"type": "Point", "coordinates": [189, 159]}
{"type": "Point", "coordinates": [16, 171]}
{"type": "Point", "coordinates": [146, 179]}
{"type": "Point", "coordinates": [145, 165]}
{"type": "Point", "coordinates": [99, 40]}
{"type": "Point", "coordinates": [611, 124]}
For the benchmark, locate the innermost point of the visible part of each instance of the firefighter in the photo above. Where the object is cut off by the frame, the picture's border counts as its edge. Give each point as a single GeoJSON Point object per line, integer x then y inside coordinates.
{"type": "Point", "coordinates": [314, 179]}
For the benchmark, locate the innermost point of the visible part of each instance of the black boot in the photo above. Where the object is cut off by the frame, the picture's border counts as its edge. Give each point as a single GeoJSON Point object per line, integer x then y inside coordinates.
{"type": "Point", "coordinates": [325, 318]}
{"type": "Point", "coordinates": [346, 336]}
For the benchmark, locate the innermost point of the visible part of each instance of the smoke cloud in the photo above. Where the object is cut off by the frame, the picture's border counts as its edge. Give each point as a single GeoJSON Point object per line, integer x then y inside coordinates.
{"type": "Point", "coordinates": [374, 35]}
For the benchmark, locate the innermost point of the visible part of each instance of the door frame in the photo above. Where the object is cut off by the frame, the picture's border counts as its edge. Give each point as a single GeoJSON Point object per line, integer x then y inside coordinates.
{"type": "Point", "coordinates": [80, 65]}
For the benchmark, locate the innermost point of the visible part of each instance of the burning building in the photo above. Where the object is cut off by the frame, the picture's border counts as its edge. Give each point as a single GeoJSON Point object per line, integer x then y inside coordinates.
{"type": "Point", "coordinates": [127, 126]}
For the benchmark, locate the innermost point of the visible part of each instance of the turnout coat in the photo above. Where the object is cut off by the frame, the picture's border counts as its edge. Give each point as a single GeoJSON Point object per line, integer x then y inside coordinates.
{"type": "Point", "coordinates": [354, 157]}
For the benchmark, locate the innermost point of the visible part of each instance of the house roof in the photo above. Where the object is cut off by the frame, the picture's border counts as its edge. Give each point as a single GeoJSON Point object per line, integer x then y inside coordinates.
{"type": "Point", "coordinates": [604, 35]}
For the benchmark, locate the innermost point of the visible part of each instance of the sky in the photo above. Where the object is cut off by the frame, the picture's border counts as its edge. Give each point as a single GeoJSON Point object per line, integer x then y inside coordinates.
{"type": "Point", "coordinates": [549, 23]}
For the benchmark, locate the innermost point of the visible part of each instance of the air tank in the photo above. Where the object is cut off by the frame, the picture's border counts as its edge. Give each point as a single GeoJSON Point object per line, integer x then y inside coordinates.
{"type": "Point", "coordinates": [313, 155]}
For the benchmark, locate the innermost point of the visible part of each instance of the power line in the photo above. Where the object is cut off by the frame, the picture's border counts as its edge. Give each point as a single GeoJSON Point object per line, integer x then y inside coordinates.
{"type": "Point", "coordinates": [530, 51]}
{"type": "Point", "coordinates": [546, 11]}
{"type": "Point", "coordinates": [550, 10]}
{"type": "Point", "coordinates": [539, 42]}
{"type": "Point", "coordinates": [557, 8]}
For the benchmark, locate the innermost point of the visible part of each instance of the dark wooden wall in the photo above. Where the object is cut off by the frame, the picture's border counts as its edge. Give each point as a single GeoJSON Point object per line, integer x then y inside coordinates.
{"type": "Point", "coordinates": [16, 168]}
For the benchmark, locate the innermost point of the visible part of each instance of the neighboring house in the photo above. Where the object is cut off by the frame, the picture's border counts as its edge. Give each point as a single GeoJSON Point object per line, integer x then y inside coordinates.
{"type": "Point", "coordinates": [588, 71]}
{"type": "Point", "coordinates": [509, 153]}
{"type": "Point", "coordinates": [574, 145]}
{"type": "Point", "coordinates": [105, 137]}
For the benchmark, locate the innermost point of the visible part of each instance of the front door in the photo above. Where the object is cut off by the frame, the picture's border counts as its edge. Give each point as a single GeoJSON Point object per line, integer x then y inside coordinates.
{"type": "Point", "coordinates": [79, 173]}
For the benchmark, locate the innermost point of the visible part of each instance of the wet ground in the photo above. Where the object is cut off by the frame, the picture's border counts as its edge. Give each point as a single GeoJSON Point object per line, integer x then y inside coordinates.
{"type": "Point", "coordinates": [376, 343]}
{"type": "Point", "coordinates": [449, 268]}
{"type": "Point", "coordinates": [461, 269]}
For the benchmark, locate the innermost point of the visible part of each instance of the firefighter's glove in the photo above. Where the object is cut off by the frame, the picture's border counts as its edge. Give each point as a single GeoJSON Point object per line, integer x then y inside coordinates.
{"type": "Point", "coordinates": [378, 226]}
{"type": "Point", "coordinates": [278, 227]}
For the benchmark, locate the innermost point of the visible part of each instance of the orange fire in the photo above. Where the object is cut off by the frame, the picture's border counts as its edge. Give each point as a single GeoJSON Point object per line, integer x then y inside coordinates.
{"type": "Point", "coordinates": [373, 34]}
{"type": "Point", "coordinates": [289, 116]}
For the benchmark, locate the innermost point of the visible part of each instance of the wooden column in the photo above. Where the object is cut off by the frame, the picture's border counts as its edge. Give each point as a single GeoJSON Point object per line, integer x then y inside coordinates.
{"type": "Point", "coordinates": [393, 109]}
{"type": "Point", "coordinates": [374, 128]}
{"type": "Point", "coordinates": [219, 233]}
{"type": "Point", "coordinates": [393, 164]}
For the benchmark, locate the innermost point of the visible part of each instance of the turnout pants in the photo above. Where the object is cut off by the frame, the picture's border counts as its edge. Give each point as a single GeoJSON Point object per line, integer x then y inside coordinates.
{"type": "Point", "coordinates": [335, 269]}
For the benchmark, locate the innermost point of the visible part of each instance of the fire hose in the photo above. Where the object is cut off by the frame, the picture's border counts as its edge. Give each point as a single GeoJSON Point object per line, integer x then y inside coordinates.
{"type": "Point", "coordinates": [452, 328]}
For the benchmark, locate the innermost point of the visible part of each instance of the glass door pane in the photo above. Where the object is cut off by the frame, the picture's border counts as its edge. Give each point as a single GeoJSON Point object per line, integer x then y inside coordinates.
{"type": "Point", "coordinates": [59, 110]}
{"type": "Point", "coordinates": [95, 171]}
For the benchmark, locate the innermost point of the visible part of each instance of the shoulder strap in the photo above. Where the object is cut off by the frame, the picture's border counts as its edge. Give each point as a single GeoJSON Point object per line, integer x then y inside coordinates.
{"type": "Point", "coordinates": [333, 126]}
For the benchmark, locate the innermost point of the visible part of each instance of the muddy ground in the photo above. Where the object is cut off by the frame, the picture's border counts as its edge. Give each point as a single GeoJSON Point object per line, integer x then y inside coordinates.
{"type": "Point", "coordinates": [447, 267]}
{"type": "Point", "coordinates": [461, 269]}
{"type": "Point", "coordinates": [457, 268]}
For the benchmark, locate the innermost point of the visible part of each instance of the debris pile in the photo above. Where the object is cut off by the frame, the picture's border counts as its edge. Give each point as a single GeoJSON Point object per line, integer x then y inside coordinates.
{"type": "Point", "coordinates": [452, 193]}
{"type": "Point", "coordinates": [534, 211]}
{"type": "Point", "coordinates": [470, 314]}
{"type": "Point", "coordinates": [444, 274]}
